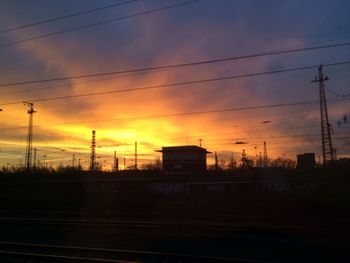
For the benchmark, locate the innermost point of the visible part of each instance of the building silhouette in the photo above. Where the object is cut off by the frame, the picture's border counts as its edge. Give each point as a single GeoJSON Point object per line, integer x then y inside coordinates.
{"type": "Point", "coordinates": [306, 161]}
{"type": "Point", "coordinates": [184, 160]}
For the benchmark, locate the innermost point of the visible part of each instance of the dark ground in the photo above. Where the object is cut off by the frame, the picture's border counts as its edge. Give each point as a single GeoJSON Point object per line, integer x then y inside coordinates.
{"type": "Point", "coordinates": [312, 225]}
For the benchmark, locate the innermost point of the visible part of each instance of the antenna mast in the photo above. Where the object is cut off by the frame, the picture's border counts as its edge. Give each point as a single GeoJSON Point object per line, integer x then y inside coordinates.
{"type": "Point", "coordinates": [29, 148]}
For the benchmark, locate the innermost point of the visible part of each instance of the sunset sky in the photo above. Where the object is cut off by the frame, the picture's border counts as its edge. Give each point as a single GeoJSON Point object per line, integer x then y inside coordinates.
{"type": "Point", "coordinates": [214, 111]}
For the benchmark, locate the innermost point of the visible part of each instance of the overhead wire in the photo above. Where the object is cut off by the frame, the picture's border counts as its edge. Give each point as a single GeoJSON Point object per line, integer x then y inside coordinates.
{"type": "Point", "coordinates": [76, 83]}
{"type": "Point", "coordinates": [268, 137]}
{"type": "Point", "coordinates": [199, 113]}
{"type": "Point", "coordinates": [10, 29]}
{"type": "Point", "coordinates": [175, 84]}
{"type": "Point", "coordinates": [161, 125]}
{"type": "Point", "coordinates": [191, 113]}
{"type": "Point", "coordinates": [218, 142]}
{"type": "Point", "coordinates": [186, 64]}
{"type": "Point", "coordinates": [289, 104]}
{"type": "Point", "coordinates": [142, 13]}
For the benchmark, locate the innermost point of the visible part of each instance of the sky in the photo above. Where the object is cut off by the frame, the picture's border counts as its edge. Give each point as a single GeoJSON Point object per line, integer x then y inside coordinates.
{"type": "Point", "coordinates": [170, 115]}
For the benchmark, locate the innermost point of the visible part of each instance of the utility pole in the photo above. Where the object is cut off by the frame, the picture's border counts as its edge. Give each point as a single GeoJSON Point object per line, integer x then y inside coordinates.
{"type": "Point", "coordinates": [29, 149]}
{"type": "Point", "coordinates": [244, 159]}
{"type": "Point", "coordinates": [135, 163]}
{"type": "Point", "coordinates": [93, 152]}
{"type": "Point", "coordinates": [44, 156]}
{"type": "Point", "coordinates": [265, 156]}
{"type": "Point", "coordinates": [73, 160]}
{"type": "Point", "coordinates": [256, 156]}
{"type": "Point", "coordinates": [260, 160]}
{"type": "Point", "coordinates": [232, 164]}
{"type": "Point", "coordinates": [200, 142]}
{"type": "Point", "coordinates": [34, 161]}
{"type": "Point", "coordinates": [327, 148]}
{"type": "Point", "coordinates": [216, 162]}
{"type": "Point", "coordinates": [116, 164]}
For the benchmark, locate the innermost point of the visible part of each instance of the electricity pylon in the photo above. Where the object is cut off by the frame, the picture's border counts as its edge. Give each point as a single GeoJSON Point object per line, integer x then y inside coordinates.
{"type": "Point", "coordinates": [29, 148]}
{"type": "Point", "coordinates": [93, 152]}
{"type": "Point", "coordinates": [327, 148]}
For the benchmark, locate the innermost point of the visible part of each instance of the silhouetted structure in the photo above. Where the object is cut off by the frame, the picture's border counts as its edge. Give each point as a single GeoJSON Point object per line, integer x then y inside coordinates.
{"type": "Point", "coordinates": [180, 160]}
{"type": "Point", "coordinates": [34, 161]}
{"type": "Point", "coordinates": [93, 148]}
{"type": "Point", "coordinates": [327, 148]}
{"type": "Point", "coordinates": [306, 161]}
{"type": "Point", "coordinates": [265, 161]}
{"type": "Point", "coordinates": [135, 161]}
{"type": "Point", "coordinates": [244, 159]}
{"type": "Point", "coordinates": [29, 148]}
{"type": "Point", "coordinates": [116, 162]}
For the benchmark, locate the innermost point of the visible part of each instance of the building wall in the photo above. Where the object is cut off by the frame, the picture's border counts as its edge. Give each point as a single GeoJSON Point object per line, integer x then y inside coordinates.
{"type": "Point", "coordinates": [306, 161]}
{"type": "Point", "coordinates": [184, 161]}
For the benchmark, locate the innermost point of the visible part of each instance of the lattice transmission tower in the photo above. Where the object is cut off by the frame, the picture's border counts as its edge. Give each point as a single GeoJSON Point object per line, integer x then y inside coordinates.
{"type": "Point", "coordinates": [93, 152]}
{"type": "Point", "coordinates": [29, 148]}
{"type": "Point", "coordinates": [326, 137]}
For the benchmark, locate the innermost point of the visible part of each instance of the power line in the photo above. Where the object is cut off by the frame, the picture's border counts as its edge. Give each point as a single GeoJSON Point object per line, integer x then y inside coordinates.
{"type": "Point", "coordinates": [286, 135]}
{"type": "Point", "coordinates": [75, 84]}
{"type": "Point", "coordinates": [196, 63]}
{"type": "Point", "coordinates": [65, 16]}
{"type": "Point", "coordinates": [192, 113]}
{"type": "Point", "coordinates": [234, 119]}
{"type": "Point", "coordinates": [281, 126]}
{"type": "Point", "coordinates": [178, 83]}
{"type": "Point", "coordinates": [160, 125]}
{"type": "Point", "coordinates": [242, 138]}
{"type": "Point", "coordinates": [212, 111]}
{"type": "Point", "coordinates": [99, 23]}
{"type": "Point", "coordinates": [310, 139]}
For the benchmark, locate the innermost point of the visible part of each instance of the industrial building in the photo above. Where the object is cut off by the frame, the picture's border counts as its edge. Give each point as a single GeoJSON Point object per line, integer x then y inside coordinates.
{"type": "Point", "coordinates": [182, 160]}
{"type": "Point", "coordinates": [306, 161]}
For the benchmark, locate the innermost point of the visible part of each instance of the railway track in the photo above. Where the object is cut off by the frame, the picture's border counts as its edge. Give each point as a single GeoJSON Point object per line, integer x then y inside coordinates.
{"type": "Point", "coordinates": [33, 252]}
{"type": "Point", "coordinates": [215, 225]}
{"type": "Point", "coordinates": [37, 239]}
{"type": "Point", "coordinates": [84, 222]}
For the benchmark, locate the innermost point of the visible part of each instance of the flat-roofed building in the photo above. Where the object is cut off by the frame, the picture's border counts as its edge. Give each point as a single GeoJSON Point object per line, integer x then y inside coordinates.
{"type": "Point", "coordinates": [181, 160]}
{"type": "Point", "coordinates": [306, 161]}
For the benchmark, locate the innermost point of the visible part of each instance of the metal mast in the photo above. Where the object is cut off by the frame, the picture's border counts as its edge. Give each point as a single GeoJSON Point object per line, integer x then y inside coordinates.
{"type": "Point", "coordinates": [29, 148]}
{"type": "Point", "coordinates": [116, 162]}
{"type": "Point", "coordinates": [34, 161]}
{"type": "Point", "coordinates": [93, 155]}
{"type": "Point", "coordinates": [135, 163]}
{"type": "Point", "coordinates": [265, 160]}
{"type": "Point", "coordinates": [327, 148]}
